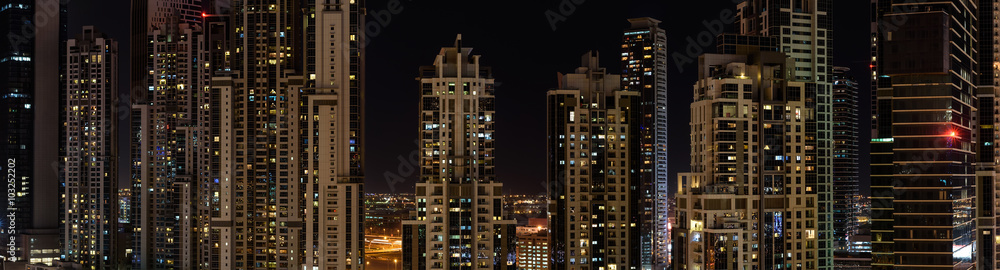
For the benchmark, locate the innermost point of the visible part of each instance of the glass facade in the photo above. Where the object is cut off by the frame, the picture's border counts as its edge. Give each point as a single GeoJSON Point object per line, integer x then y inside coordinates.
{"type": "Point", "coordinates": [31, 105]}
{"type": "Point", "coordinates": [923, 205]}
{"type": "Point", "coordinates": [845, 159]}
{"type": "Point", "coordinates": [644, 65]}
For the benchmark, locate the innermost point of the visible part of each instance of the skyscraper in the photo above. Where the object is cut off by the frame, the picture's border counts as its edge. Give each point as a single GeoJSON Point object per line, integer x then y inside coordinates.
{"type": "Point", "coordinates": [845, 158]}
{"type": "Point", "coordinates": [804, 32]}
{"type": "Point", "coordinates": [644, 67]}
{"type": "Point", "coordinates": [459, 221]}
{"type": "Point", "coordinates": [748, 202]}
{"type": "Point", "coordinates": [169, 148]}
{"type": "Point", "coordinates": [258, 223]}
{"type": "Point", "coordinates": [286, 110]}
{"type": "Point", "coordinates": [31, 73]}
{"type": "Point", "coordinates": [331, 113]}
{"type": "Point", "coordinates": [168, 128]}
{"type": "Point", "coordinates": [91, 158]}
{"type": "Point", "coordinates": [878, 10]}
{"type": "Point", "coordinates": [595, 199]}
{"type": "Point", "coordinates": [218, 42]}
{"type": "Point", "coordinates": [924, 144]}
{"type": "Point", "coordinates": [126, 229]}
{"type": "Point", "coordinates": [988, 92]}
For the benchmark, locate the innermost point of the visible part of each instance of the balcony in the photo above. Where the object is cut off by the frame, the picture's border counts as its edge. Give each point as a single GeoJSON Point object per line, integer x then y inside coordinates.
{"type": "Point", "coordinates": [718, 189]}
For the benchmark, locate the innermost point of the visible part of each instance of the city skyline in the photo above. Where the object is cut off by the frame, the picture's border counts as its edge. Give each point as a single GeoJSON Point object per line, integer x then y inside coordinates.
{"type": "Point", "coordinates": [262, 134]}
{"type": "Point", "coordinates": [555, 49]}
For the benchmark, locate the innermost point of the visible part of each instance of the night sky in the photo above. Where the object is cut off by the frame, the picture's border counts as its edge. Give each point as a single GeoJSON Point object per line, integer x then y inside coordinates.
{"type": "Point", "coordinates": [518, 41]}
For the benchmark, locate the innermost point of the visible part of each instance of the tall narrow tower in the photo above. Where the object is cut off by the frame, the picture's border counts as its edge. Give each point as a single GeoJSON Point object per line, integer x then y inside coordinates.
{"type": "Point", "coordinates": [331, 121]}
{"type": "Point", "coordinates": [91, 158]}
{"type": "Point", "coordinates": [459, 222]}
{"type": "Point", "coordinates": [845, 160]}
{"type": "Point", "coordinates": [644, 67]}
{"type": "Point", "coordinates": [594, 188]}
{"type": "Point", "coordinates": [258, 223]}
{"type": "Point", "coordinates": [804, 32]}
{"type": "Point", "coordinates": [169, 150]}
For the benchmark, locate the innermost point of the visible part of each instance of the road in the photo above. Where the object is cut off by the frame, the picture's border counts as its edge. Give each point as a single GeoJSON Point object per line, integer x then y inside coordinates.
{"type": "Point", "coordinates": [383, 252]}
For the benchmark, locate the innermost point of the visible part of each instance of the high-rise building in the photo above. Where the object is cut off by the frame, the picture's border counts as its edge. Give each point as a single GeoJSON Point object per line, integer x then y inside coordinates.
{"type": "Point", "coordinates": [124, 205]}
{"type": "Point", "coordinates": [924, 142]}
{"type": "Point", "coordinates": [845, 159]}
{"type": "Point", "coordinates": [987, 153]}
{"type": "Point", "coordinates": [331, 119]}
{"type": "Point", "coordinates": [169, 148]}
{"type": "Point", "coordinates": [91, 159]}
{"type": "Point", "coordinates": [459, 222]}
{"type": "Point", "coordinates": [258, 222]}
{"type": "Point", "coordinates": [644, 67]}
{"type": "Point", "coordinates": [168, 47]}
{"type": "Point", "coordinates": [223, 120]}
{"type": "Point", "coordinates": [533, 245]}
{"type": "Point", "coordinates": [878, 10]}
{"type": "Point", "coordinates": [123, 245]}
{"type": "Point", "coordinates": [146, 16]}
{"type": "Point", "coordinates": [287, 108]}
{"type": "Point", "coordinates": [858, 253]}
{"type": "Point", "coordinates": [593, 145]}
{"type": "Point", "coordinates": [218, 43]}
{"type": "Point", "coordinates": [218, 38]}
{"type": "Point", "coordinates": [748, 201]}
{"type": "Point", "coordinates": [31, 88]}
{"type": "Point", "coordinates": [881, 186]}
{"type": "Point", "coordinates": [804, 32]}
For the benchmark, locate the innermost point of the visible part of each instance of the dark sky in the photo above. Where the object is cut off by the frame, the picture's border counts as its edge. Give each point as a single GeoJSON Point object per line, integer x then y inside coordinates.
{"type": "Point", "coordinates": [518, 41]}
